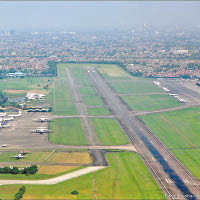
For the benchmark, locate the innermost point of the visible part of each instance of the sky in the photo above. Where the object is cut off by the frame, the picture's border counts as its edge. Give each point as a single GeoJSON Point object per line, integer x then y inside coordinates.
{"type": "Point", "coordinates": [96, 15]}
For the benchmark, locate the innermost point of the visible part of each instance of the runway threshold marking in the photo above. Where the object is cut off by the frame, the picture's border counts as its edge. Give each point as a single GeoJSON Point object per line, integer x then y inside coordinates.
{"type": "Point", "coordinates": [168, 181]}
{"type": "Point", "coordinates": [185, 181]}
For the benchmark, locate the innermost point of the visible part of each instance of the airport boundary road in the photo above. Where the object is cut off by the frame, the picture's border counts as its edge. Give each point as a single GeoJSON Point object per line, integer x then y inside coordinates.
{"type": "Point", "coordinates": [172, 177]}
{"type": "Point", "coordinates": [55, 180]}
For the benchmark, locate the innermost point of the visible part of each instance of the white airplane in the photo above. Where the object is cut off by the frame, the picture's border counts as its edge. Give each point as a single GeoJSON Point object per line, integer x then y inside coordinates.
{"type": "Point", "coordinates": [41, 130]}
{"type": "Point", "coordinates": [42, 119]}
{"type": "Point", "coordinates": [2, 114]}
{"type": "Point", "coordinates": [18, 156]}
{"type": "Point", "coordinates": [8, 119]}
{"type": "Point", "coordinates": [3, 125]}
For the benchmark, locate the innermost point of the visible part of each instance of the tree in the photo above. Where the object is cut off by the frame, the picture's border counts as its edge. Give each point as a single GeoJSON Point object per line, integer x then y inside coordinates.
{"type": "Point", "coordinates": [75, 192]}
{"type": "Point", "coordinates": [14, 170]}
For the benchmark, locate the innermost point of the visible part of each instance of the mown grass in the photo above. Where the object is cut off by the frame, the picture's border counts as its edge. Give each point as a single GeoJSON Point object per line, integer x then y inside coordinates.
{"type": "Point", "coordinates": [179, 131]}
{"type": "Point", "coordinates": [113, 72]}
{"type": "Point", "coordinates": [30, 157]}
{"type": "Point", "coordinates": [150, 102]}
{"type": "Point", "coordinates": [73, 157]}
{"type": "Point", "coordinates": [82, 80]}
{"type": "Point", "coordinates": [63, 104]}
{"type": "Point", "coordinates": [136, 86]}
{"type": "Point", "coordinates": [98, 111]}
{"type": "Point", "coordinates": [125, 178]}
{"type": "Point", "coordinates": [67, 131]}
{"type": "Point", "coordinates": [109, 132]}
{"type": "Point", "coordinates": [92, 100]}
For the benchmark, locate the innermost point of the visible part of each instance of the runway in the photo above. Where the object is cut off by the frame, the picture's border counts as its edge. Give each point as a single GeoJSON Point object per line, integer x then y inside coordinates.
{"type": "Point", "coordinates": [170, 174]}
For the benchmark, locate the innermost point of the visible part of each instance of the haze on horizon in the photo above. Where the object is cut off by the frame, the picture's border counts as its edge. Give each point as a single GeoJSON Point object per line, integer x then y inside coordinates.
{"type": "Point", "coordinates": [87, 15]}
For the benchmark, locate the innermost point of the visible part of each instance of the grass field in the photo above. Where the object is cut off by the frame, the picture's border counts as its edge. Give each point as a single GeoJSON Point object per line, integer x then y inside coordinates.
{"type": "Point", "coordinates": [55, 169]}
{"type": "Point", "coordinates": [63, 101]}
{"type": "Point", "coordinates": [93, 100]}
{"type": "Point", "coordinates": [74, 157]}
{"type": "Point", "coordinates": [98, 111]}
{"type": "Point", "coordinates": [67, 131]}
{"type": "Point", "coordinates": [179, 130]}
{"type": "Point", "coordinates": [150, 102]}
{"type": "Point", "coordinates": [113, 72]}
{"type": "Point", "coordinates": [136, 86]}
{"type": "Point", "coordinates": [125, 178]}
{"type": "Point", "coordinates": [109, 132]}
{"type": "Point", "coordinates": [31, 157]}
{"type": "Point", "coordinates": [82, 80]}
{"type": "Point", "coordinates": [16, 87]}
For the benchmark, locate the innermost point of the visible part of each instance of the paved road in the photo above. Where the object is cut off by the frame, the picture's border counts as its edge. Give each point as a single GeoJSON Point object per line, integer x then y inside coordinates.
{"type": "Point", "coordinates": [58, 147]}
{"type": "Point", "coordinates": [56, 179]}
{"type": "Point", "coordinates": [41, 163]}
{"type": "Point", "coordinates": [80, 116]}
{"type": "Point", "coordinates": [172, 177]}
{"type": "Point", "coordinates": [188, 105]}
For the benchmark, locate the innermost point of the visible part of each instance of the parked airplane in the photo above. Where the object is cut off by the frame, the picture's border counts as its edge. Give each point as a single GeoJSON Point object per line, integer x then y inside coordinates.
{"type": "Point", "coordinates": [3, 124]}
{"type": "Point", "coordinates": [42, 119]}
{"type": "Point", "coordinates": [8, 119]}
{"type": "Point", "coordinates": [2, 114]}
{"type": "Point", "coordinates": [41, 130]}
{"type": "Point", "coordinates": [18, 156]}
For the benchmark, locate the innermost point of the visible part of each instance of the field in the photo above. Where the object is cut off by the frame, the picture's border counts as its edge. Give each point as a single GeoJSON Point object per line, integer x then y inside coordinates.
{"type": "Point", "coordinates": [44, 172]}
{"type": "Point", "coordinates": [123, 83]}
{"type": "Point", "coordinates": [67, 131]}
{"type": "Point", "coordinates": [31, 157]}
{"type": "Point", "coordinates": [61, 95]}
{"type": "Point", "coordinates": [98, 111]}
{"type": "Point", "coordinates": [49, 169]}
{"type": "Point", "coordinates": [19, 87]}
{"type": "Point", "coordinates": [155, 102]}
{"type": "Point", "coordinates": [92, 100]}
{"type": "Point", "coordinates": [137, 86]}
{"type": "Point", "coordinates": [179, 131]}
{"type": "Point", "coordinates": [125, 178]}
{"type": "Point", "coordinates": [113, 72]}
{"type": "Point", "coordinates": [74, 157]}
{"type": "Point", "coordinates": [109, 131]}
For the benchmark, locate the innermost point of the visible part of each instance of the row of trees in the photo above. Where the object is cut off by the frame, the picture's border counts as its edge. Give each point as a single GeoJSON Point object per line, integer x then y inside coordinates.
{"type": "Point", "coordinates": [3, 99]}
{"type": "Point", "coordinates": [52, 70]}
{"type": "Point", "coordinates": [20, 193]}
{"type": "Point", "coordinates": [15, 170]}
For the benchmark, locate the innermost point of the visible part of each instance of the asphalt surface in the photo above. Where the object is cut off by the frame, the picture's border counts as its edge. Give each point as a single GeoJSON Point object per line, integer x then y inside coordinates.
{"type": "Point", "coordinates": [173, 178]}
{"type": "Point", "coordinates": [187, 105]}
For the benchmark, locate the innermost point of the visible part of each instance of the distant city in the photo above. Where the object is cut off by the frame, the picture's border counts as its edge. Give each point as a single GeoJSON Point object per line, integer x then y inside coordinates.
{"type": "Point", "coordinates": [143, 51]}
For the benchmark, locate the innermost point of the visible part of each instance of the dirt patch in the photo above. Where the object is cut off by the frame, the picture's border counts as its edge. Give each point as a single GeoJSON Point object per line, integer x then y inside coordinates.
{"type": "Point", "coordinates": [55, 169]}
{"type": "Point", "coordinates": [38, 91]}
{"type": "Point", "coordinates": [75, 157]}
{"type": "Point", "coordinates": [15, 91]}
{"type": "Point", "coordinates": [113, 71]}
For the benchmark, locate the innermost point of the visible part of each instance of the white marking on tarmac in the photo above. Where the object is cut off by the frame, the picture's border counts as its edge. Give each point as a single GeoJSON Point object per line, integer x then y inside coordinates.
{"type": "Point", "coordinates": [168, 181]}
{"type": "Point", "coordinates": [185, 181]}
